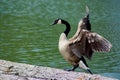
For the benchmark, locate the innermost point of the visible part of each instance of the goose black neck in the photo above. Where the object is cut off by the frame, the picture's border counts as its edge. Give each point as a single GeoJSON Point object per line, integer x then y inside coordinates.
{"type": "Point", "coordinates": [67, 30]}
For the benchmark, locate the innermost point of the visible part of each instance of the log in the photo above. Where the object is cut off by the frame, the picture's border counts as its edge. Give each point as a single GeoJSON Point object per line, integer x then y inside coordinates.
{"type": "Point", "coordinates": [19, 71]}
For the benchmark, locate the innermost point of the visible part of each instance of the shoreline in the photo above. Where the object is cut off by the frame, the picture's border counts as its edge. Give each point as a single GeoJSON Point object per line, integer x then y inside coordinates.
{"type": "Point", "coordinates": [21, 71]}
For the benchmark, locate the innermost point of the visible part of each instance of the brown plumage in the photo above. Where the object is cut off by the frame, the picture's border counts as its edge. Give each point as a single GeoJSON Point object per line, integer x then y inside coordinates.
{"type": "Point", "coordinates": [83, 43]}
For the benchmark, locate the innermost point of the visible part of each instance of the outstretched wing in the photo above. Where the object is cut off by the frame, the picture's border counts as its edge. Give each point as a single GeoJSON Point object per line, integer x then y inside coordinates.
{"type": "Point", "coordinates": [80, 46]}
{"type": "Point", "coordinates": [84, 23]}
{"type": "Point", "coordinates": [98, 43]}
{"type": "Point", "coordinates": [87, 42]}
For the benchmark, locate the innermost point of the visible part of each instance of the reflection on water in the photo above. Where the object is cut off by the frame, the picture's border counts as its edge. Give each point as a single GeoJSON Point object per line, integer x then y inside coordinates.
{"type": "Point", "coordinates": [25, 34]}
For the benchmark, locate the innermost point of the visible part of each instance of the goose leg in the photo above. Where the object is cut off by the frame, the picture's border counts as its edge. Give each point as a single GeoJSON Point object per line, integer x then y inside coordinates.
{"type": "Point", "coordinates": [89, 71]}
{"type": "Point", "coordinates": [74, 67]}
{"type": "Point", "coordinates": [83, 65]}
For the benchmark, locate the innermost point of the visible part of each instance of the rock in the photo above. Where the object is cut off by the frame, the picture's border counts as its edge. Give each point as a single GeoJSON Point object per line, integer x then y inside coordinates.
{"type": "Point", "coordinates": [19, 71]}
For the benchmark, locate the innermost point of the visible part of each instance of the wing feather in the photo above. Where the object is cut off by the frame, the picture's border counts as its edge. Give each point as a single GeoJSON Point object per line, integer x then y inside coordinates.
{"type": "Point", "coordinates": [80, 47]}
{"type": "Point", "coordinates": [87, 42]}
{"type": "Point", "coordinates": [98, 43]}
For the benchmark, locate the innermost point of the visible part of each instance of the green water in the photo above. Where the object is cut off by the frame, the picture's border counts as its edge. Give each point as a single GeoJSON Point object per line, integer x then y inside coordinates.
{"type": "Point", "coordinates": [25, 34]}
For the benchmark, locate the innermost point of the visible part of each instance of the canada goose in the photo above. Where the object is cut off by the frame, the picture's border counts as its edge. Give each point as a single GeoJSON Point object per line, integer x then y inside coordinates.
{"type": "Point", "coordinates": [83, 43]}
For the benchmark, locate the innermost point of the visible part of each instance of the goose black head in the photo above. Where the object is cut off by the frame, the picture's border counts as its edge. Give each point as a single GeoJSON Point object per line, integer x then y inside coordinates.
{"type": "Point", "coordinates": [57, 21]}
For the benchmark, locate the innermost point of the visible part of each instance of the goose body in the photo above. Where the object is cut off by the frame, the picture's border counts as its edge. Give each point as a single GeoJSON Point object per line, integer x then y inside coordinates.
{"type": "Point", "coordinates": [65, 50]}
{"type": "Point", "coordinates": [63, 44]}
{"type": "Point", "coordinates": [82, 44]}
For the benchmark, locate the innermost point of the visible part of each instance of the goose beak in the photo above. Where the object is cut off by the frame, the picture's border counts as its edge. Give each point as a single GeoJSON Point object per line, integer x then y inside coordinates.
{"type": "Point", "coordinates": [52, 24]}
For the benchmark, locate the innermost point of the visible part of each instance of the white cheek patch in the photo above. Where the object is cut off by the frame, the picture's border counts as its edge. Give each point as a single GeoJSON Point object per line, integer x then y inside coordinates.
{"type": "Point", "coordinates": [59, 22]}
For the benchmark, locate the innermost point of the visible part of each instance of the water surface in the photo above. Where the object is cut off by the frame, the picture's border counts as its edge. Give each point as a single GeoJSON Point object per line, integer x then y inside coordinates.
{"type": "Point", "coordinates": [25, 34]}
